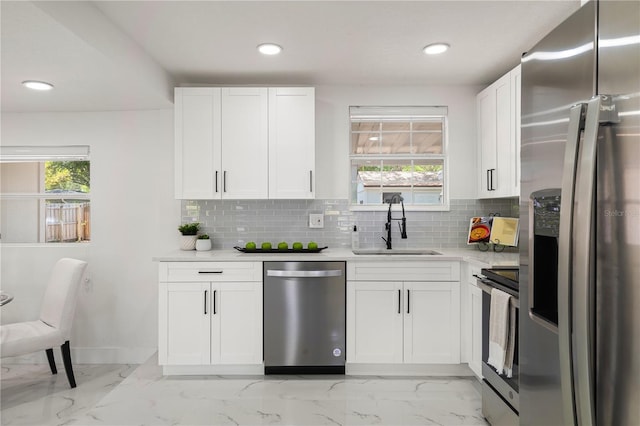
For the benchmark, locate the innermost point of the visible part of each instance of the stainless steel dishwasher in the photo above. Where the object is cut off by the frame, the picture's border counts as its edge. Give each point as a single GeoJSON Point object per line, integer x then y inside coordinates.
{"type": "Point", "coordinates": [304, 317]}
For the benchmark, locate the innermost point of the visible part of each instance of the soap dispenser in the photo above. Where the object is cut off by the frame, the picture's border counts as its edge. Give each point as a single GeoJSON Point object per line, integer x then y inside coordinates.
{"type": "Point", "coordinates": [355, 238]}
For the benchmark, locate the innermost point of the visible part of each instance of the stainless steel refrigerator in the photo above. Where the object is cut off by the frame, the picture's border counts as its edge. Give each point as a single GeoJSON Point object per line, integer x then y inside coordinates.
{"type": "Point", "coordinates": [580, 221]}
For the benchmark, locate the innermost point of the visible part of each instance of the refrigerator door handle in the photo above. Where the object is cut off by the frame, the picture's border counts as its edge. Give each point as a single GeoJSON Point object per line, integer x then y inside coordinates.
{"type": "Point", "coordinates": [576, 124]}
{"type": "Point", "coordinates": [600, 111]}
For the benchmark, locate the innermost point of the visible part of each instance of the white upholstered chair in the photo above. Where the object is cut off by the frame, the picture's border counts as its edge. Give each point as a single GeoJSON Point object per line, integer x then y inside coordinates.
{"type": "Point", "coordinates": [56, 317]}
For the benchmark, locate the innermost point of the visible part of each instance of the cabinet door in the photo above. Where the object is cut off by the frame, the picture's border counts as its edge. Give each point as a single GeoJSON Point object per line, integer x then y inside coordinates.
{"type": "Point", "coordinates": [475, 303]}
{"type": "Point", "coordinates": [432, 322]}
{"type": "Point", "coordinates": [184, 324]}
{"type": "Point", "coordinates": [197, 143]}
{"type": "Point", "coordinates": [244, 143]}
{"type": "Point", "coordinates": [516, 90]}
{"type": "Point", "coordinates": [291, 142]}
{"type": "Point", "coordinates": [502, 176]}
{"type": "Point", "coordinates": [374, 322]}
{"type": "Point", "coordinates": [236, 332]}
{"type": "Point", "coordinates": [486, 110]}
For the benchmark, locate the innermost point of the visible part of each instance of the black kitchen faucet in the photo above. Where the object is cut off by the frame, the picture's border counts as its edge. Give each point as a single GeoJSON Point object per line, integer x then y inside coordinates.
{"type": "Point", "coordinates": [403, 221]}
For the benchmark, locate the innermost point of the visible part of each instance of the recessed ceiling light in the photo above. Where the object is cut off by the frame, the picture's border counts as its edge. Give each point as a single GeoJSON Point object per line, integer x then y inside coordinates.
{"type": "Point", "coordinates": [436, 48]}
{"type": "Point", "coordinates": [37, 85]}
{"type": "Point", "coordinates": [269, 49]}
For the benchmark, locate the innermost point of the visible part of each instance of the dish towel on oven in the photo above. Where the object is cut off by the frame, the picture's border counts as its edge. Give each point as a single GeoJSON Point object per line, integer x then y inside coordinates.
{"type": "Point", "coordinates": [502, 332]}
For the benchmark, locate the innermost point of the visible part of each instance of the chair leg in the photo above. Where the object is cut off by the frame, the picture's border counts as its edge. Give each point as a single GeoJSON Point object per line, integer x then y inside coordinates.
{"type": "Point", "coordinates": [66, 358]}
{"type": "Point", "coordinates": [52, 361]}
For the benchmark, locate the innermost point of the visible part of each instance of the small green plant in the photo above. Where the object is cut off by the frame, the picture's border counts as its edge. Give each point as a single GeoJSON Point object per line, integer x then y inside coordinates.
{"type": "Point", "coordinates": [189, 228]}
{"type": "Point", "coordinates": [203, 237]}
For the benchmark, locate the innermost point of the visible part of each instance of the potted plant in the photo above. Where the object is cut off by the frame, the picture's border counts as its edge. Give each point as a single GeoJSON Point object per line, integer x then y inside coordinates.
{"type": "Point", "coordinates": [189, 233]}
{"type": "Point", "coordinates": [203, 243]}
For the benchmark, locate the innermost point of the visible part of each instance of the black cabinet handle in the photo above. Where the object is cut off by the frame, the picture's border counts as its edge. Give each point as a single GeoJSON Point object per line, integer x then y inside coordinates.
{"type": "Point", "coordinates": [224, 181]}
{"type": "Point", "coordinates": [214, 302]}
{"type": "Point", "coordinates": [399, 300]}
{"type": "Point", "coordinates": [490, 179]}
{"type": "Point", "coordinates": [216, 181]}
{"type": "Point", "coordinates": [205, 302]}
{"type": "Point", "coordinates": [310, 180]}
{"type": "Point", "coordinates": [408, 301]}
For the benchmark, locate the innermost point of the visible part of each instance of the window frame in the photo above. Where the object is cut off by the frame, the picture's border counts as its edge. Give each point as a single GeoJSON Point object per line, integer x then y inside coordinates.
{"type": "Point", "coordinates": [40, 155]}
{"type": "Point", "coordinates": [410, 113]}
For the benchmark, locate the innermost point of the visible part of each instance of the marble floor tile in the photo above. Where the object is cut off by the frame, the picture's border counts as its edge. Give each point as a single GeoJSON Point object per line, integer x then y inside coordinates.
{"type": "Point", "coordinates": [31, 395]}
{"type": "Point", "coordinates": [140, 395]}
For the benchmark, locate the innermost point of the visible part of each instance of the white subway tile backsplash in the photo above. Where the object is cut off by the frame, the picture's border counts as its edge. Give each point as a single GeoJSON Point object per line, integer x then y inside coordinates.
{"type": "Point", "coordinates": [234, 223]}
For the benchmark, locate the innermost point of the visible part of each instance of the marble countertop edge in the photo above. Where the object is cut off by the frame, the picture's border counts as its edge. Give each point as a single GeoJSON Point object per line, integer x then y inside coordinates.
{"type": "Point", "coordinates": [477, 257]}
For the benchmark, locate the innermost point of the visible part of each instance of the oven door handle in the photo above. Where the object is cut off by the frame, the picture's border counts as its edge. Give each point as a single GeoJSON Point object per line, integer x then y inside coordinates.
{"type": "Point", "coordinates": [487, 289]}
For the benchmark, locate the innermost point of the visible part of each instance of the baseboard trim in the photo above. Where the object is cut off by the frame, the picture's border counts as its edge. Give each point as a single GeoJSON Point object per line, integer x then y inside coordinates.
{"type": "Point", "coordinates": [111, 355]}
{"type": "Point", "coordinates": [196, 370]}
{"type": "Point", "coordinates": [409, 370]}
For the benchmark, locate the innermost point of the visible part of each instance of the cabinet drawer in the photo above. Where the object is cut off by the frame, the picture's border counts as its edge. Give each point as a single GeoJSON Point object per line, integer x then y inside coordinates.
{"type": "Point", "coordinates": [403, 271]}
{"type": "Point", "coordinates": [210, 271]}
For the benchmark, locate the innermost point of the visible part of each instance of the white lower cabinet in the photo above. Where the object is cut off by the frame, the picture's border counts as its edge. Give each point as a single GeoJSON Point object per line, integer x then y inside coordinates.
{"type": "Point", "coordinates": [408, 322]}
{"type": "Point", "coordinates": [185, 330]}
{"type": "Point", "coordinates": [215, 321]}
{"type": "Point", "coordinates": [374, 322]}
{"type": "Point", "coordinates": [432, 323]}
{"type": "Point", "coordinates": [475, 355]}
{"type": "Point", "coordinates": [236, 332]}
{"type": "Point", "coordinates": [473, 320]}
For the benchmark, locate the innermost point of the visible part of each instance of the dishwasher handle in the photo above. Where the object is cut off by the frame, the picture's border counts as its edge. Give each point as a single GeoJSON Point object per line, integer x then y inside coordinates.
{"type": "Point", "coordinates": [304, 274]}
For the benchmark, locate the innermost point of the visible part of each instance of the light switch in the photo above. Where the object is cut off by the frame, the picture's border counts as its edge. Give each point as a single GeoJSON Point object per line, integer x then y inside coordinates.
{"type": "Point", "coordinates": [316, 220]}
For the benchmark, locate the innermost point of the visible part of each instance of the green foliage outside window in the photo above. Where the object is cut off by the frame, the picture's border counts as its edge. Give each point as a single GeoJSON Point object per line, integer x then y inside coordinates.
{"type": "Point", "coordinates": [67, 175]}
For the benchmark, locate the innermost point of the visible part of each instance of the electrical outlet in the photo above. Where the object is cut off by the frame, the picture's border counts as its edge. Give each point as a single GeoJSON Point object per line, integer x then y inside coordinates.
{"type": "Point", "coordinates": [316, 220]}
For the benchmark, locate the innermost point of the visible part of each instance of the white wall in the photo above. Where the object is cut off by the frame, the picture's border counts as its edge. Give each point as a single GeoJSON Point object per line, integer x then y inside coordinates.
{"type": "Point", "coordinates": [134, 217]}
{"type": "Point", "coordinates": [332, 131]}
{"type": "Point", "coordinates": [134, 214]}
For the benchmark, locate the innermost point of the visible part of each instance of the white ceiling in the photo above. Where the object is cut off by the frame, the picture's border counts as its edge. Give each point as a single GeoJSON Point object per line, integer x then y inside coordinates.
{"type": "Point", "coordinates": [114, 55]}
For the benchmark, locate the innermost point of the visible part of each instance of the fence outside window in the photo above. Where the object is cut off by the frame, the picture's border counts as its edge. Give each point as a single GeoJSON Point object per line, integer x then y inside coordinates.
{"type": "Point", "coordinates": [66, 222]}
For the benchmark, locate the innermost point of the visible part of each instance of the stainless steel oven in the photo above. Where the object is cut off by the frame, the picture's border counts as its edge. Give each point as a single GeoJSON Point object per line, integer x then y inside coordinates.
{"type": "Point", "coordinates": [500, 400]}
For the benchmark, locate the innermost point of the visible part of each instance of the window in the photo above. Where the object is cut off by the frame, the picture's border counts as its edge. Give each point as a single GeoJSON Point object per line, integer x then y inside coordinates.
{"type": "Point", "coordinates": [45, 194]}
{"type": "Point", "coordinates": [399, 150]}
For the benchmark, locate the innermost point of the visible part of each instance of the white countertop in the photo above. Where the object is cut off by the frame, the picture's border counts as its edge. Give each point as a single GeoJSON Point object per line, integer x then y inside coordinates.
{"type": "Point", "coordinates": [483, 259]}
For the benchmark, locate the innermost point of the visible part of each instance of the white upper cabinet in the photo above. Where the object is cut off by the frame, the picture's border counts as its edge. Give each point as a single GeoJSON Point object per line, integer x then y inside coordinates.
{"type": "Point", "coordinates": [516, 97]}
{"type": "Point", "coordinates": [244, 143]}
{"type": "Point", "coordinates": [198, 135]}
{"type": "Point", "coordinates": [498, 109]}
{"type": "Point", "coordinates": [291, 142]}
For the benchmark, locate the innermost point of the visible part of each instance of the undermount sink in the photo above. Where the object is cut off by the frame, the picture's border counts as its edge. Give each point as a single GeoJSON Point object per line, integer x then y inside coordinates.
{"type": "Point", "coordinates": [419, 252]}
